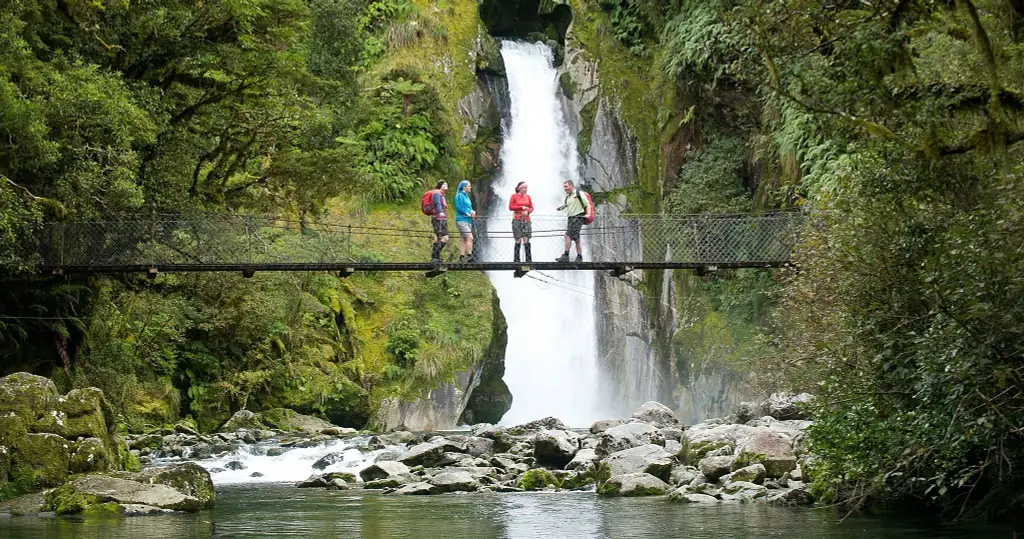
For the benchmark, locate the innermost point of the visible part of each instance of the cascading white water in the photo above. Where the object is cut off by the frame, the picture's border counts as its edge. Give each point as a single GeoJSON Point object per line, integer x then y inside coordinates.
{"type": "Point", "coordinates": [551, 358]}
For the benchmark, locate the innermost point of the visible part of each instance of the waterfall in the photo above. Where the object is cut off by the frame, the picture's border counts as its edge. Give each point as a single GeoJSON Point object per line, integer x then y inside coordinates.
{"type": "Point", "coordinates": [551, 358]}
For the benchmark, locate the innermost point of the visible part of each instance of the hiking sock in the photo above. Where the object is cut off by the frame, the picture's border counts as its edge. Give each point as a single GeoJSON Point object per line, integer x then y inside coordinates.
{"type": "Point", "coordinates": [435, 254]}
{"type": "Point", "coordinates": [529, 255]}
{"type": "Point", "coordinates": [516, 257]}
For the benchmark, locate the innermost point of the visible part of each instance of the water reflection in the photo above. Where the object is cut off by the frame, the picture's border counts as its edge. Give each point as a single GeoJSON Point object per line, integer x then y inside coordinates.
{"type": "Point", "coordinates": [279, 510]}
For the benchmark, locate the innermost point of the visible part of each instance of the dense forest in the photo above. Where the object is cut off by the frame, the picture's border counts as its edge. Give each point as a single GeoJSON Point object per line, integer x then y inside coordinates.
{"type": "Point", "coordinates": [894, 124]}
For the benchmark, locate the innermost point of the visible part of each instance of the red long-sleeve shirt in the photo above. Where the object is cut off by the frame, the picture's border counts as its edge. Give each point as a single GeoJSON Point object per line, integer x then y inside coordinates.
{"type": "Point", "coordinates": [517, 203]}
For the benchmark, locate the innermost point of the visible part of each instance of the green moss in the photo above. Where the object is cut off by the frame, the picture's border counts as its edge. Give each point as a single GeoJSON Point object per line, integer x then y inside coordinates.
{"type": "Point", "coordinates": [569, 87]}
{"type": "Point", "coordinates": [41, 460]}
{"type": "Point", "coordinates": [344, 476]}
{"type": "Point", "coordinates": [109, 509]}
{"type": "Point", "coordinates": [191, 479]}
{"type": "Point", "coordinates": [65, 500]}
{"type": "Point", "coordinates": [537, 479]}
{"type": "Point", "coordinates": [745, 459]}
{"type": "Point", "coordinates": [694, 452]}
{"type": "Point", "coordinates": [588, 115]}
{"type": "Point", "coordinates": [608, 489]}
{"type": "Point", "coordinates": [640, 491]}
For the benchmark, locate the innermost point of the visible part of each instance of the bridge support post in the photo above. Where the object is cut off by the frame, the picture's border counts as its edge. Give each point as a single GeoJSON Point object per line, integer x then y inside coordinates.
{"type": "Point", "coordinates": [346, 273]}
{"type": "Point", "coordinates": [153, 272]}
{"type": "Point", "coordinates": [439, 270]}
{"type": "Point", "coordinates": [248, 273]}
{"type": "Point", "coordinates": [523, 270]}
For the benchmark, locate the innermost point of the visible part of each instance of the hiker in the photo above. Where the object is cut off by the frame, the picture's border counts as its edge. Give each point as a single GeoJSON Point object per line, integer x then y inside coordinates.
{"type": "Point", "coordinates": [439, 219]}
{"type": "Point", "coordinates": [464, 215]}
{"type": "Point", "coordinates": [521, 206]}
{"type": "Point", "coordinates": [577, 207]}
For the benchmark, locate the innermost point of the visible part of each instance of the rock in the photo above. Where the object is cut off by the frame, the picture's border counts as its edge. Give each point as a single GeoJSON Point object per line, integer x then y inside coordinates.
{"type": "Point", "coordinates": [89, 455]}
{"type": "Point", "coordinates": [548, 423]}
{"type": "Point", "coordinates": [679, 495]}
{"type": "Point", "coordinates": [287, 420]}
{"type": "Point", "coordinates": [787, 407]}
{"type": "Point", "coordinates": [338, 431]}
{"type": "Point", "coordinates": [746, 411]}
{"type": "Point", "coordinates": [772, 449]}
{"type": "Point", "coordinates": [40, 460]}
{"type": "Point", "coordinates": [792, 497]}
{"type": "Point", "coordinates": [415, 489]}
{"type": "Point", "coordinates": [622, 437]}
{"type": "Point", "coordinates": [33, 399]}
{"type": "Point", "coordinates": [188, 478]}
{"type": "Point", "coordinates": [674, 434]}
{"type": "Point", "coordinates": [478, 446]}
{"type": "Point", "coordinates": [673, 447]}
{"type": "Point", "coordinates": [715, 467]}
{"type": "Point", "coordinates": [509, 465]}
{"type": "Point", "coordinates": [454, 481]}
{"type": "Point", "coordinates": [385, 470]}
{"type": "Point", "coordinates": [235, 465]}
{"type": "Point", "coordinates": [138, 510]}
{"type": "Point", "coordinates": [583, 458]}
{"type": "Point", "coordinates": [328, 460]}
{"type": "Point", "coordinates": [337, 484]}
{"type": "Point", "coordinates": [755, 473]}
{"type": "Point", "coordinates": [82, 492]}
{"type": "Point", "coordinates": [683, 475]}
{"type": "Point", "coordinates": [425, 454]}
{"type": "Point", "coordinates": [555, 447]}
{"type": "Point", "coordinates": [744, 490]}
{"type": "Point", "coordinates": [651, 459]}
{"type": "Point", "coordinates": [657, 414]}
{"type": "Point", "coordinates": [538, 479]}
{"type": "Point", "coordinates": [313, 481]}
{"type": "Point", "coordinates": [600, 426]}
{"type": "Point", "coordinates": [242, 419]}
{"type": "Point", "coordinates": [634, 484]}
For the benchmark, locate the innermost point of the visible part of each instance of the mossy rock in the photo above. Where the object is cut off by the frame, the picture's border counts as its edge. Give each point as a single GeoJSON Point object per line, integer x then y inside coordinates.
{"type": "Point", "coordinates": [188, 478]}
{"type": "Point", "coordinates": [5, 464]}
{"type": "Point", "coordinates": [538, 479]}
{"type": "Point", "coordinates": [745, 459]}
{"type": "Point", "coordinates": [40, 460]}
{"type": "Point", "coordinates": [291, 421]}
{"type": "Point", "coordinates": [12, 430]}
{"type": "Point", "coordinates": [109, 509]}
{"type": "Point", "coordinates": [89, 455]}
{"type": "Point", "coordinates": [344, 476]}
{"type": "Point", "coordinates": [692, 453]}
{"type": "Point", "coordinates": [66, 500]}
{"type": "Point", "coordinates": [32, 398]}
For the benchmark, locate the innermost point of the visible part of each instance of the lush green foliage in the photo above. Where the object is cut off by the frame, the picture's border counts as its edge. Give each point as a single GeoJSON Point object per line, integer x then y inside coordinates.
{"type": "Point", "coordinates": [278, 106]}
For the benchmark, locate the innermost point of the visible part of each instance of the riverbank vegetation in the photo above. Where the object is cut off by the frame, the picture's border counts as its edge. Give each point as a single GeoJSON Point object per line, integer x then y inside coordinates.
{"type": "Point", "coordinates": [297, 108]}
{"type": "Point", "coordinates": [897, 126]}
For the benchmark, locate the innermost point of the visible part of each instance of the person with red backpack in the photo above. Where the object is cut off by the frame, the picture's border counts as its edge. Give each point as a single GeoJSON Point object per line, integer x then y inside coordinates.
{"type": "Point", "coordinates": [434, 204]}
{"type": "Point", "coordinates": [580, 208]}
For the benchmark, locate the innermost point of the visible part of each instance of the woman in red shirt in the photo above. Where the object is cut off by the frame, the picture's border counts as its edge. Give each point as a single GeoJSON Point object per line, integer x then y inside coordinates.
{"type": "Point", "coordinates": [521, 207]}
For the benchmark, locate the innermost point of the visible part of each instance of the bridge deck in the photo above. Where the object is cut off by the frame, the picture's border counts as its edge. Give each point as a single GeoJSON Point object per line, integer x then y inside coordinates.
{"type": "Point", "coordinates": [248, 244]}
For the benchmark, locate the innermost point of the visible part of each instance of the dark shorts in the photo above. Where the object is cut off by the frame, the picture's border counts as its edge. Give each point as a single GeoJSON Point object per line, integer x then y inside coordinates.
{"type": "Point", "coordinates": [522, 229]}
{"type": "Point", "coordinates": [440, 227]}
{"type": "Point", "coordinates": [572, 229]}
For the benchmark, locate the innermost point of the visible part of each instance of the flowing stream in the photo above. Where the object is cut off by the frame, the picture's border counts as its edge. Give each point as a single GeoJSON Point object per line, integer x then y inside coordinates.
{"type": "Point", "coordinates": [551, 358]}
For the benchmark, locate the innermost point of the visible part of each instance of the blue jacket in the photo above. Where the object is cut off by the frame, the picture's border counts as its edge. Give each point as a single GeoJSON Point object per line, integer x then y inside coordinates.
{"type": "Point", "coordinates": [463, 205]}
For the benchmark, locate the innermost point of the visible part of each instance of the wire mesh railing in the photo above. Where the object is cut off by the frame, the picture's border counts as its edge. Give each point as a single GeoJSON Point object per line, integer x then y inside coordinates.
{"type": "Point", "coordinates": [763, 239]}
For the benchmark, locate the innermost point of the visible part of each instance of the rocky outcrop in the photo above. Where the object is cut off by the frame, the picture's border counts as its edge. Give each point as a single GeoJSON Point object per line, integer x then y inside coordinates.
{"type": "Point", "coordinates": [44, 436]}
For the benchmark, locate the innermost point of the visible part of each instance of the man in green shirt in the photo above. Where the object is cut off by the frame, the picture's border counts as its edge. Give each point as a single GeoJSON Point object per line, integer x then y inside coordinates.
{"type": "Point", "coordinates": [576, 206]}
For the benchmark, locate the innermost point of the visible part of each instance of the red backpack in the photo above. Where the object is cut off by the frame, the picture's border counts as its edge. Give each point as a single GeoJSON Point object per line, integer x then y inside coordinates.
{"type": "Point", "coordinates": [589, 216]}
{"type": "Point", "coordinates": [427, 202]}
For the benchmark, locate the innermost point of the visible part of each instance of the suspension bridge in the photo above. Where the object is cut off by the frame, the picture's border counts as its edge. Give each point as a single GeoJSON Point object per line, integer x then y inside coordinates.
{"type": "Point", "coordinates": [247, 244]}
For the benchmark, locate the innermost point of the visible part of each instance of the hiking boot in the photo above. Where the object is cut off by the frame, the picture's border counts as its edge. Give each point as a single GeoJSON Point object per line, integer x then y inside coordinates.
{"type": "Point", "coordinates": [579, 258]}
{"type": "Point", "coordinates": [563, 258]}
{"type": "Point", "coordinates": [529, 255]}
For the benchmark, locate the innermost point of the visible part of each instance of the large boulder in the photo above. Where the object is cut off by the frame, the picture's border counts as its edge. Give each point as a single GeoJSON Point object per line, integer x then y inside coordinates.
{"type": "Point", "coordinates": [81, 493]}
{"type": "Point", "coordinates": [548, 423]}
{"type": "Point", "coordinates": [425, 454]}
{"type": "Point", "coordinates": [291, 421]}
{"type": "Point", "coordinates": [626, 436]}
{"type": "Point", "coordinates": [785, 406]}
{"type": "Point", "coordinates": [87, 415]}
{"type": "Point", "coordinates": [454, 481]}
{"type": "Point", "coordinates": [555, 447]}
{"type": "Point", "coordinates": [650, 458]}
{"type": "Point", "coordinates": [243, 419]}
{"type": "Point", "coordinates": [40, 460]}
{"type": "Point", "coordinates": [715, 467]}
{"type": "Point", "coordinates": [634, 484]}
{"type": "Point", "coordinates": [583, 458]}
{"type": "Point", "coordinates": [657, 414]}
{"type": "Point", "coordinates": [772, 449]}
{"type": "Point", "coordinates": [188, 478]}
{"type": "Point", "coordinates": [384, 470]}
{"type": "Point", "coordinates": [33, 399]}
{"type": "Point", "coordinates": [89, 455]}
{"type": "Point", "coordinates": [602, 425]}
{"type": "Point", "coordinates": [755, 473]}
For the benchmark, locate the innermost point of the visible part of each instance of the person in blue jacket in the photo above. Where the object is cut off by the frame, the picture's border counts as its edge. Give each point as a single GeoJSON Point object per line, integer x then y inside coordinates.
{"type": "Point", "coordinates": [464, 215]}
